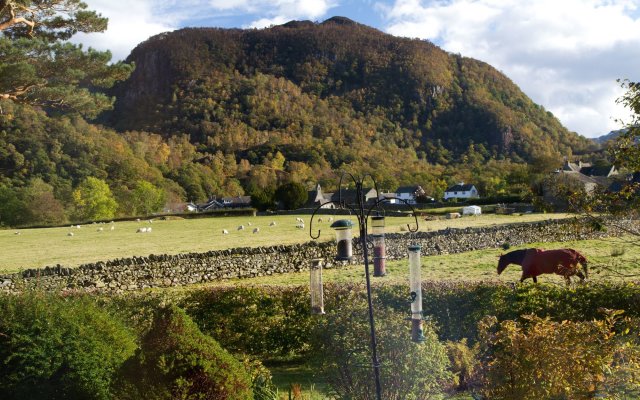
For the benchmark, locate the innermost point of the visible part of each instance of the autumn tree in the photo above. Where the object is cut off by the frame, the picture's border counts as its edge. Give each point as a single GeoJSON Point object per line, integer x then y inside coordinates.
{"type": "Point", "coordinates": [626, 151]}
{"type": "Point", "coordinates": [38, 68]}
{"type": "Point", "coordinates": [94, 200]}
{"type": "Point", "coordinates": [147, 198]}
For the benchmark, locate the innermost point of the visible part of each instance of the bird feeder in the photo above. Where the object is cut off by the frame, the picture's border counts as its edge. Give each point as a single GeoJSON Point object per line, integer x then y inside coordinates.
{"type": "Point", "coordinates": [415, 285]}
{"type": "Point", "coordinates": [379, 249]}
{"type": "Point", "coordinates": [344, 235]}
{"type": "Point", "coordinates": [317, 296]}
{"type": "Point", "coordinates": [377, 225]}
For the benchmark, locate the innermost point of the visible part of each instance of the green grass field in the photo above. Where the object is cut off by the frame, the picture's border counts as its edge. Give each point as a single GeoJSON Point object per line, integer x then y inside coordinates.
{"type": "Point", "coordinates": [478, 265]}
{"type": "Point", "coordinates": [34, 248]}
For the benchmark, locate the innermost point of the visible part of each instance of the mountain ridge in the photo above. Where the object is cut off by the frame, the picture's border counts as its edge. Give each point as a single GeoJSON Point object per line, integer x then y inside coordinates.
{"type": "Point", "coordinates": [437, 99]}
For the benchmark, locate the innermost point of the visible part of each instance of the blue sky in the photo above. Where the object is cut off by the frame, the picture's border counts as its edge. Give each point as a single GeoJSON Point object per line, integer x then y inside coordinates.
{"type": "Point", "coordinates": [565, 54]}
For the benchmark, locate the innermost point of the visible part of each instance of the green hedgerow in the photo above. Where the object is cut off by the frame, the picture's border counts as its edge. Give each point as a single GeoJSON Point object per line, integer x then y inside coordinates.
{"type": "Point", "coordinates": [409, 371]}
{"type": "Point", "coordinates": [177, 361]}
{"type": "Point", "coordinates": [52, 347]}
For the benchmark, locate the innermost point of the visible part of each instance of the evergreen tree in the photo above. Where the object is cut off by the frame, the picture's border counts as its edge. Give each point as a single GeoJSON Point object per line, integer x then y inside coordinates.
{"type": "Point", "coordinates": [292, 195]}
{"type": "Point", "coordinates": [37, 68]}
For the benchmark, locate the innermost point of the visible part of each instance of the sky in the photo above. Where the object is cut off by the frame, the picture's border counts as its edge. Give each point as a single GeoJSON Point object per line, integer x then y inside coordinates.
{"type": "Point", "coordinates": [566, 55]}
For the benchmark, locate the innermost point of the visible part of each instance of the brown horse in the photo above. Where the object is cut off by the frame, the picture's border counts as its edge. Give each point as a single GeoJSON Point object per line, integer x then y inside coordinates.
{"type": "Point", "coordinates": [536, 262]}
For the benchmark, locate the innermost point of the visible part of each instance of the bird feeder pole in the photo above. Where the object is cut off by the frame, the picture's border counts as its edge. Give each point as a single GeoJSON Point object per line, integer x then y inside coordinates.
{"type": "Point", "coordinates": [344, 245]}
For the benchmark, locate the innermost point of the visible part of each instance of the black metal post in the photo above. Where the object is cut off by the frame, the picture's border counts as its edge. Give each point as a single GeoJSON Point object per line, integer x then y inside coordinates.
{"type": "Point", "coordinates": [362, 214]}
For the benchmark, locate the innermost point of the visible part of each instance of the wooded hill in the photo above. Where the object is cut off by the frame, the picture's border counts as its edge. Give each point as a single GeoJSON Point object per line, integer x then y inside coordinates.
{"type": "Point", "coordinates": [337, 91]}
{"type": "Point", "coordinates": [227, 111]}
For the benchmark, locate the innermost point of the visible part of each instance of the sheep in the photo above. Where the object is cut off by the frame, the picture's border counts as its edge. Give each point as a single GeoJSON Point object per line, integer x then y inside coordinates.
{"type": "Point", "coordinates": [319, 219]}
{"type": "Point", "coordinates": [70, 234]}
{"type": "Point", "coordinates": [241, 228]}
{"type": "Point", "coordinates": [16, 233]}
{"type": "Point", "coordinates": [273, 223]}
{"type": "Point", "coordinates": [142, 230]}
{"type": "Point", "coordinates": [256, 230]}
{"type": "Point", "coordinates": [300, 226]}
{"type": "Point", "coordinates": [113, 227]}
{"type": "Point", "coordinates": [100, 229]}
{"type": "Point", "coordinates": [298, 219]}
{"type": "Point", "coordinates": [148, 229]}
{"type": "Point", "coordinates": [249, 223]}
{"type": "Point", "coordinates": [225, 232]}
{"type": "Point", "coordinates": [78, 226]}
{"type": "Point", "coordinates": [330, 219]}
{"type": "Point", "coordinates": [137, 219]}
{"type": "Point", "coordinates": [151, 221]}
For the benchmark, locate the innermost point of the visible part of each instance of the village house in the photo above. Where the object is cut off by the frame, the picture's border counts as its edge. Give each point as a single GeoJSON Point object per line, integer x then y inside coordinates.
{"type": "Point", "coordinates": [223, 202]}
{"type": "Point", "coordinates": [328, 200]}
{"type": "Point", "coordinates": [461, 191]}
{"type": "Point", "coordinates": [579, 175]}
{"type": "Point", "coordinates": [410, 194]}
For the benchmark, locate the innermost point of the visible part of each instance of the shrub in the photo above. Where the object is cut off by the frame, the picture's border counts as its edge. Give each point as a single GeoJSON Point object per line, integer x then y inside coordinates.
{"type": "Point", "coordinates": [266, 323]}
{"type": "Point", "coordinates": [177, 361]}
{"type": "Point", "coordinates": [408, 370]}
{"type": "Point", "coordinates": [291, 195]}
{"type": "Point", "coordinates": [543, 359]}
{"type": "Point", "coordinates": [59, 348]}
{"type": "Point", "coordinates": [463, 362]}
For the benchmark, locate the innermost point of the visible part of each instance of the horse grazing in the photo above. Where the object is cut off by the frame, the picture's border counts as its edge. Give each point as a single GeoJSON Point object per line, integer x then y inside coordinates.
{"type": "Point", "coordinates": [536, 262]}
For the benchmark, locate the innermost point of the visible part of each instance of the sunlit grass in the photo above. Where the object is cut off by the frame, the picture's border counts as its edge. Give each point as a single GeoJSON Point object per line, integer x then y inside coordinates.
{"type": "Point", "coordinates": [34, 248]}
{"type": "Point", "coordinates": [480, 265]}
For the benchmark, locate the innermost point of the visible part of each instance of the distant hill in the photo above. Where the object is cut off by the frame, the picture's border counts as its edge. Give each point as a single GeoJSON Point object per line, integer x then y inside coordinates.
{"type": "Point", "coordinates": [609, 136]}
{"type": "Point", "coordinates": [335, 92]}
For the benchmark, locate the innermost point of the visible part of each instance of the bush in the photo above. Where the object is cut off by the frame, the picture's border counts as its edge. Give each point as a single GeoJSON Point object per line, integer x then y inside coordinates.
{"type": "Point", "coordinates": [176, 361]}
{"type": "Point", "coordinates": [292, 195]}
{"type": "Point", "coordinates": [542, 359]}
{"type": "Point", "coordinates": [267, 323]}
{"type": "Point", "coordinates": [408, 370]}
{"type": "Point", "coordinates": [463, 362]}
{"type": "Point", "coordinates": [59, 348]}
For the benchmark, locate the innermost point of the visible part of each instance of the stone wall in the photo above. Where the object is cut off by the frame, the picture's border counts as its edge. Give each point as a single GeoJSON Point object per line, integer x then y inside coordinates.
{"type": "Point", "coordinates": [183, 269]}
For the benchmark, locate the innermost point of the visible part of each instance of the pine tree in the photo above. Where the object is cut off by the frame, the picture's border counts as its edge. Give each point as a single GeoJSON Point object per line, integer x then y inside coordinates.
{"type": "Point", "coordinates": [38, 68]}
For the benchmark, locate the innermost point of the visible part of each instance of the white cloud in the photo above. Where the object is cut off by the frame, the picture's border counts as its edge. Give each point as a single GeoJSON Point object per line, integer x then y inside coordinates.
{"type": "Point", "coordinates": [276, 12]}
{"type": "Point", "coordinates": [566, 55]}
{"type": "Point", "coordinates": [129, 24]}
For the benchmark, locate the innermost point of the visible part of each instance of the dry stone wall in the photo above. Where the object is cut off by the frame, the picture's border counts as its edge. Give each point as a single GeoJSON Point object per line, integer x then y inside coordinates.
{"type": "Point", "coordinates": [183, 269]}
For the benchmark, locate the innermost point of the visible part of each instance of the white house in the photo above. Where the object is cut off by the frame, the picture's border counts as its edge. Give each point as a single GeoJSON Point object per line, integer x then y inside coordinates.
{"type": "Point", "coordinates": [410, 193]}
{"type": "Point", "coordinates": [461, 191]}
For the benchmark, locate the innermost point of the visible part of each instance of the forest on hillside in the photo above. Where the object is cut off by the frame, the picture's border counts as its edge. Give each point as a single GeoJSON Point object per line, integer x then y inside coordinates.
{"type": "Point", "coordinates": [208, 112]}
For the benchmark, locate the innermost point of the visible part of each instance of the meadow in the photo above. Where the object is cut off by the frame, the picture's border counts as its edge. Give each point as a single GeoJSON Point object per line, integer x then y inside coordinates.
{"type": "Point", "coordinates": [268, 319]}
{"type": "Point", "coordinates": [35, 248]}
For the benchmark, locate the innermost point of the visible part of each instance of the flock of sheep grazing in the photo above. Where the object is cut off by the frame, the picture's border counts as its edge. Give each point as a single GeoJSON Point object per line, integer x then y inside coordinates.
{"type": "Point", "coordinates": [299, 225]}
{"type": "Point", "coordinates": [112, 227]}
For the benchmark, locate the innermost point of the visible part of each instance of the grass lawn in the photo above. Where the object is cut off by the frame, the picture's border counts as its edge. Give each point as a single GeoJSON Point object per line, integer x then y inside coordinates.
{"type": "Point", "coordinates": [34, 248]}
{"type": "Point", "coordinates": [477, 265]}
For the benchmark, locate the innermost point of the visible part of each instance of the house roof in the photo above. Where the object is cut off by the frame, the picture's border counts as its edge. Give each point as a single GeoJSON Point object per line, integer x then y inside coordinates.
{"type": "Point", "coordinates": [465, 187]}
{"type": "Point", "coordinates": [570, 167]}
{"type": "Point", "coordinates": [598, 170]}
{"type": "Point", "coordinates": [579, 176]}
{"type": "Point", "coordinates": [410, 189]}
{"type": "Point", "coordinates": [237, 200]}
{"type": "Point", "coordinates": [407, 189]}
